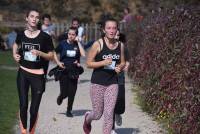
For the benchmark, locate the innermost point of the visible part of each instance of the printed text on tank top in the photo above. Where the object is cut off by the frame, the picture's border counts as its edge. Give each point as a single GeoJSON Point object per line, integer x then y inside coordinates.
{"type": "Point", "coordinates": [114, 57]}
{"type": "Point", "coordinates": [108, 72]}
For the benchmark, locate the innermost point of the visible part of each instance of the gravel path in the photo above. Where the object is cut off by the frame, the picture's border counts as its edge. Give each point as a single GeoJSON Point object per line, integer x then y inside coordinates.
{"type": "Point", "coordinates": [52, 119]}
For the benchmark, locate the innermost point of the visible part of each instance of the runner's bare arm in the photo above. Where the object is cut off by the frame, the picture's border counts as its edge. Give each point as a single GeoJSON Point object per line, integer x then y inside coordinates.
{"type": "Point", "coordinates": [122, 62]}
{"type": "Point", "coordinates": [47, 56]}
{"type": "Point", "coordinates": [82, 51]}
{"type": "Point", "coordinates": [16, 56]}
{"type": "Point", "coordinates": [60, 64]}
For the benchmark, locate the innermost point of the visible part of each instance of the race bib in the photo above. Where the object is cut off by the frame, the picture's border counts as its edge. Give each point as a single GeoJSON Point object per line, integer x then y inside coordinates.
{"type": "Point", "coordinates": [29, 56]}
{"type": "Point", "coordinates": [71, 53]}
{"type": "Point", "coordinates": [111, 66]}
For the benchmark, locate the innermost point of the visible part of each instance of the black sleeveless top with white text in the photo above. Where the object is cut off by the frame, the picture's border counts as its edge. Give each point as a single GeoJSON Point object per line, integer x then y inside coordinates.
{"type": "Point", "coordinates": [43, 42]}
{"type": "Point", "coordinates": [106, 75]}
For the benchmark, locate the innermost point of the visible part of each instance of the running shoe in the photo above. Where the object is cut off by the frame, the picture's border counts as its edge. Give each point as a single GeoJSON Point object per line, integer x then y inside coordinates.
{"type": "Point", "coordinates": [59, 100]}
{"type": "Point", "coordinates": [87, 126]}
{"type": "Point", "coordinates": [118, 119]}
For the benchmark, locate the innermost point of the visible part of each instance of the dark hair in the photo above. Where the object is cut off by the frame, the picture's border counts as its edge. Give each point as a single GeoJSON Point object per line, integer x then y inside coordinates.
{"type": "Point", "coordinates": [128, 9]}
{"type": "Point", "coordinates": [73, 28]}
{"type": "Point", "coordinates": [39, 25]}
{"type": "Point", "coordinates": [28, 12]}
{"type": "Point", "coordinates": [75, 19]}
{"type": "Point", "coordinates": [122, 37]}
{"type": "Point", "coordinates": [46, 16]}
{"type": "Point", "coordinates": [109, 19]}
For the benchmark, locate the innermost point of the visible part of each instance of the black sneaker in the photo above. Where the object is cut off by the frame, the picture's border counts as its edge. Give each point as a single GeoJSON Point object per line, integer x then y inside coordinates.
{"type": "Point", "coordinates": [69, 114]}
{"type": "Point", "coordinates": [59, 100]}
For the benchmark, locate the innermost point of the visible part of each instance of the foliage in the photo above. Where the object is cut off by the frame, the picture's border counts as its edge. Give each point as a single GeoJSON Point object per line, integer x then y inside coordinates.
{"type": "Point", "coordinates": [4, 30]}
{"type": "Point", "coordinates": [165, 62]}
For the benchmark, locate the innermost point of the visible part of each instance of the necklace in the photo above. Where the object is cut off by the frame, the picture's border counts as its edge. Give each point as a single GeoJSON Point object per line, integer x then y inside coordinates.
{"type": "Point", "coordinates": [31, 31]}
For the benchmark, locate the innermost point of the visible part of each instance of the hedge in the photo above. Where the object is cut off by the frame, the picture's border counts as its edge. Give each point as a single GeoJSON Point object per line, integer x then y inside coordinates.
{"type": "Point", "coordinates": [165, 63]}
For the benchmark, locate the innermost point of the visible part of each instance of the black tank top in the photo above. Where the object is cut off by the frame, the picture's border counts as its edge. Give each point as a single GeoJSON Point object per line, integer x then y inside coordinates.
{"type": "Point", "coordinates": [106, 75]}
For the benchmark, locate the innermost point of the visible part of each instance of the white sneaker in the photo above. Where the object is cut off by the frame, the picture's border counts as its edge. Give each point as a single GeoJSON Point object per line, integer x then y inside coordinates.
{"type": "Point", "coordinates": [118, 119]}
{"type": "Point", "coordinates": [113, 132]}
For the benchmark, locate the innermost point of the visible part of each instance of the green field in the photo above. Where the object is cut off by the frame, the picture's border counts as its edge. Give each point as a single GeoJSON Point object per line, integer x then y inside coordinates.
{"type": "Point", "coordinates": [8, 101]}
{"type": "Point", "coordinates": [8, 93]}
{"type": "Point", "coordinates": [6, 58]}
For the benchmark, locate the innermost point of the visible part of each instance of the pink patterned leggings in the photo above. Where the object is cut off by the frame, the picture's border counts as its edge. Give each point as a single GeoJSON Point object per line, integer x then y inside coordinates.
{"type": "Point", "coordinates": [103, 101]}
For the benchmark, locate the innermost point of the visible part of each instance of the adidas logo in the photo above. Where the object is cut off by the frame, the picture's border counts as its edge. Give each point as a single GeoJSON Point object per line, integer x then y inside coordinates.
{"type": "Point", "coordinates": [115, 56]}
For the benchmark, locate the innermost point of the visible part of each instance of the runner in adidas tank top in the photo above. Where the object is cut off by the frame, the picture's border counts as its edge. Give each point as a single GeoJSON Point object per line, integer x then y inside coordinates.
{"type": "Point", "coordinates": [106, 57]}
{"type": "Point", "coordinates": [32, 47]}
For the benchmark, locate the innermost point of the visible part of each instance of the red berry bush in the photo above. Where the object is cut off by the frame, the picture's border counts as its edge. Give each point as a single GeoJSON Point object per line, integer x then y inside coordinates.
{"type": "Point", "coordinates": [165, 63]}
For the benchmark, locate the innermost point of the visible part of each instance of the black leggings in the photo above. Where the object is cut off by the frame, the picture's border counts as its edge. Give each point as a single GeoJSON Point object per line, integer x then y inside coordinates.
{"type": "Point", "coordinates": [120, 104]}
{"type": "Point", "coordinates": [68, 89]}
{"type": "Point", "coordinates": [36, 82]}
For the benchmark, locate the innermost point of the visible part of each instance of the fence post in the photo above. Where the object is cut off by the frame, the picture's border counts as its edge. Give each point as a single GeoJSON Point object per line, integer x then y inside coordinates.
{"type": "Point", "coordinates": [96, 31]}
{"type": "Point", "coordinates": [86, 32]}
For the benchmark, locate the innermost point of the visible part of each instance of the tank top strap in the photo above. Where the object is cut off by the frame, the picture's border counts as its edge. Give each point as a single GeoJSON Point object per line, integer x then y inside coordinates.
{"type": "Point", "coordinates": [100, 44]}
{"type": "Point", "coordinates": [105, 47]}
{"type": "Point", "coordinates": [119, 45]}
{"type": "Point", "coordinates": [104, 44]}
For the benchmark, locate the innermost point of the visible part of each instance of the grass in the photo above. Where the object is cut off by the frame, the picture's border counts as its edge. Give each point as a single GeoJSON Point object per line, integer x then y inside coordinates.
{"type": "Point", "coordinates": [8, 100]}
{"type": "Point", "coordinates": [139, 100]}
{"type": "Point", "coordinates": [6, 58]}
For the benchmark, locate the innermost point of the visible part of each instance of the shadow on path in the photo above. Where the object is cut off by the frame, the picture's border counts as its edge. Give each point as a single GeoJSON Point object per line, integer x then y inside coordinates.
{"type": "Point", "coordinates": [84, 81]}
{"type": "Point", "coordinates": [53, 79]}
{"type": "Point", "coordinates": [127, 131]}
{"type": "Point", "coordinates": [79, 112]}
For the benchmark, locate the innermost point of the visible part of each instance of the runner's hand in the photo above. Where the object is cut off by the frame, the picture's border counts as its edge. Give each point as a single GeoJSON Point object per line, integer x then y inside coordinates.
{"type": "Point", "coordinates": [78, 64]}
{"type": "Point", "coordinates": [61, 65]}
{"type": "Point", "coordinates": [35, 52]}
{"type": "Point", "coordinates": [126, 66]}
{"type": "Point", "coordinates": [108, 61]}
{"type": "Point", "coordinates": [77, 39]}
{"type": "Point", "coordinates": [117, 69]}
{"type": "Point", "coordinates": [17, 57]}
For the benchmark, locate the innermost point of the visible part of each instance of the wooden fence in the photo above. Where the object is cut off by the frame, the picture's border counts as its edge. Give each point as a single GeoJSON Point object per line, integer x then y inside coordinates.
{"type": "Point", "coordinates": [91, 31]}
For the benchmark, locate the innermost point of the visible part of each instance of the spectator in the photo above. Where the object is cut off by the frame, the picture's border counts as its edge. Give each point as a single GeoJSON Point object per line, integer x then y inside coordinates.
{"type": "Point", "coordinates": [127, 18]}
{"type": "Point", "coordinates": [76, 24]}
{"type": "Point", "coordinates": [11, 38]}
{"type": "Point", "coordinates": [3, 45]}
{"type": "Point", "coordinates": [47, 26]}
